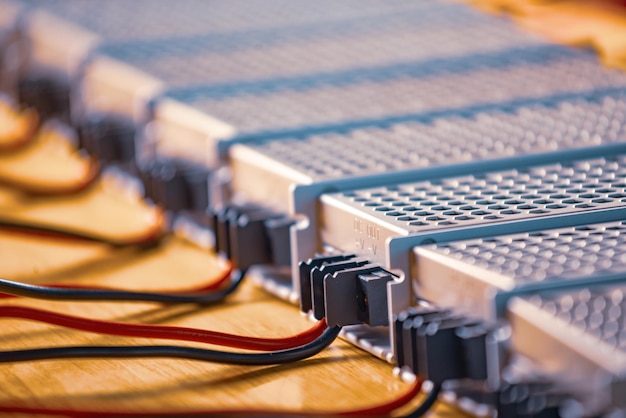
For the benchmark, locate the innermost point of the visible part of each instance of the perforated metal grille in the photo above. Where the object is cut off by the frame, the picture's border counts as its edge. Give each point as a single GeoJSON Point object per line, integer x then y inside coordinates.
{"type": "Point", "coordinates": [498, 79]}
{"type": "Point", "coordinates": [598, 312]}
{"type": "Point", "coordinates": [383, 40]}
{"type": "Point", "coordinates": [534, 129]}
{"type": "Point", "coordinates": [496, 196]}
{"type": "Point", "coordinates": [559, 254]}
{"type": "Point", "coordinates": [122, 20]}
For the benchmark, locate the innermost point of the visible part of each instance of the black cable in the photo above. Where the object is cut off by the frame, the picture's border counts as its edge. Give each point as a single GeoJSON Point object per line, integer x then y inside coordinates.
{"type": "Point", "coordinates": [428, 402]}
{"type": "Point", "coordinates": [57, 293]}
{"type": "Point", "coordinates": [180, 352]}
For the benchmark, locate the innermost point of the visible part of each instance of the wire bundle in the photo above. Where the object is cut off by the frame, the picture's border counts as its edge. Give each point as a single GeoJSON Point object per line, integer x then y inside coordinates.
{"type": "Point", "coordinates": [269, 351]}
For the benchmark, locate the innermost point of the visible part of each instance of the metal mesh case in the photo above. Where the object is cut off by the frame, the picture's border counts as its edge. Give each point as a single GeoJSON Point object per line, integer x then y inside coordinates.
{"type": "Point", "coordinates": [384, 223]}
{"type": "Point", "coordinates": [578, 334]}
{"type": "Point", "coordinates": [493, 269]}
{"type": "Point", "coordinates": [399, 33]}
{"type": "Point", "coordinates": [143, 49]}
{"type": "Point", "coordinates": [330, 74]}
{"type": "Point", "coordinates": [300, 105]}
{"type": "Point", "coordinates": [121, 21]}
{"type": "Point", "coordinates": [291, 175]}
{"type": "Point", "coordinates": [62, 33]}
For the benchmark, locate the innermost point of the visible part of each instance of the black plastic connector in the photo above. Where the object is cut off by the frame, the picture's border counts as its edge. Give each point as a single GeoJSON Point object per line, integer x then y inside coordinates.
{"type": "Point", "coordinates": [109, 139]}
{"type": "Point", "coordinates": [305, 268]}
{"type": "Point", "coordinates": [345, 290]}
{"type": "Point", "coordinates": [528, 401]}
{"type": "Point", "coordinates": [318, 276]}
{"type": "Point", "coordinates": [249, 241]}
{"type": "Point", "coordinates": [439, 345]}
{"type": "Point", "coordinates": [439, 350]}
{"type": "Point", "coordinates": [406, 325]}
{"type": "Point", "coordinates": [176, 184]}
{"type": "Point", "coordinates": [357, 295]}
{"type": "Point", "coordinates": [49, 94]}
{"type": "Point", "coordinates": [278, 232]}
{"type": "Point", "coordinates": [250, 234]}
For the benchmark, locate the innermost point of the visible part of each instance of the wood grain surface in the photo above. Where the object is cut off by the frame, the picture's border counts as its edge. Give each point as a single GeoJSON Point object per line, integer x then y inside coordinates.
{"type": "Point", "coordinates": [341, 378]}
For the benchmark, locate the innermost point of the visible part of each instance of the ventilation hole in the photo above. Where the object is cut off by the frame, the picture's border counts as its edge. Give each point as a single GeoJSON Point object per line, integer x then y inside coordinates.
{"type": "Point", "coordinates": [617, 195]}
{"type": "Point", "coordinates": [384, 209]}
{"type": "Point", "coordinates": [559, 196]}
{"type": "Point", "coordinates": [485, 202]}
{"type": "Point", "coordinates": [446, 223]}
{"type": "Point", "coordinates": [452, 213]}
{"type": "Point", "coordinates": [406, 218]}
{"type": "Point", "coordinates": [605, 190]}
{"type": "Point", "coordinates": [614, 228]}
{"type": "Point", "coordinates": [360, 199]}
{"type": "Point", "coordinates": [571, 201]}
{"type": "Point", "coordinates": [481, 213]}
{"type": "Point", "coordinates": [423, 213]}
{"type": "Point", "coordinates": [429, 203]}
{"type": "Point", "coordinates": [459, 203]}
{"type": "Point", "coordinates": [473, 197]}
{"type": "Point", "coordinates": [530, 196]}
{"type": "Point", "coordinates": [435, 218]}
{"type": "Point", "coordinates": [410, 208]}
{"type": "Point", "coordinates": [526, 207]}
{"type": "Point", "coordinates": [395, 213]}
{"type": "Point", "coordinates": [509, 212]}
{"type": "Point", "coordinates": [416, 199]}
{"type": "Point", "coordinates": [388, 199]}
{"type": "Point", "coordinates": [514, 202]}
{"type": "Point", "coordinates": [501, 197]}
{"type": "Point", "coordinates": [440, 208]}
{"type": "Point", "coordinates": [555, 206]}
{"type": "Point", "coordinates": [538, 211]}
{"type": "Point", "coordinates": [497, 207]}
{"type": "Point", "coordinates": [543, 201]}
{"type": "Point", "coordinates": [575, 191]}
{"type": "Point", "coordinates": [373, 204]}
{"type": "Point", "coordinates": [418, 223]}
{"type": "Point", "coordinates": [464, 218]}
{"type": "Point", "coordinates": [468, 207]}
{"type": "Point", "coordinates": [398, 204]}
{"type": "Point", "coordinates": [589, 195]}
{"type": "Point", "coordinates": [492, 217]}
{"type": "Point", "coordinates": [602, 200]}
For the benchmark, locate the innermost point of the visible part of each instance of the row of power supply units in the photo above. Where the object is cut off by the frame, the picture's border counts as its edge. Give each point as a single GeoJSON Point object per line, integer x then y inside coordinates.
{"type": "Point", "coordinates": [450, 189]}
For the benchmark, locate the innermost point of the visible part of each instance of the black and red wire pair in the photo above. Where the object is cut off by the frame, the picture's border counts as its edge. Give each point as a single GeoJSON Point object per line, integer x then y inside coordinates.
{"type": "Point", "coordinates": [268, 351]}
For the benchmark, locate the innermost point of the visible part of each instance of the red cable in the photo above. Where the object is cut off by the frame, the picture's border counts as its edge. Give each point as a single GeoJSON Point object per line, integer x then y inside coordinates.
{"type": "Point", "coordinates": [379, 410]}
{"type": "Point", "coordinates": [213, 285]}
{"type": "Point", "coordinates": [164, 331]}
